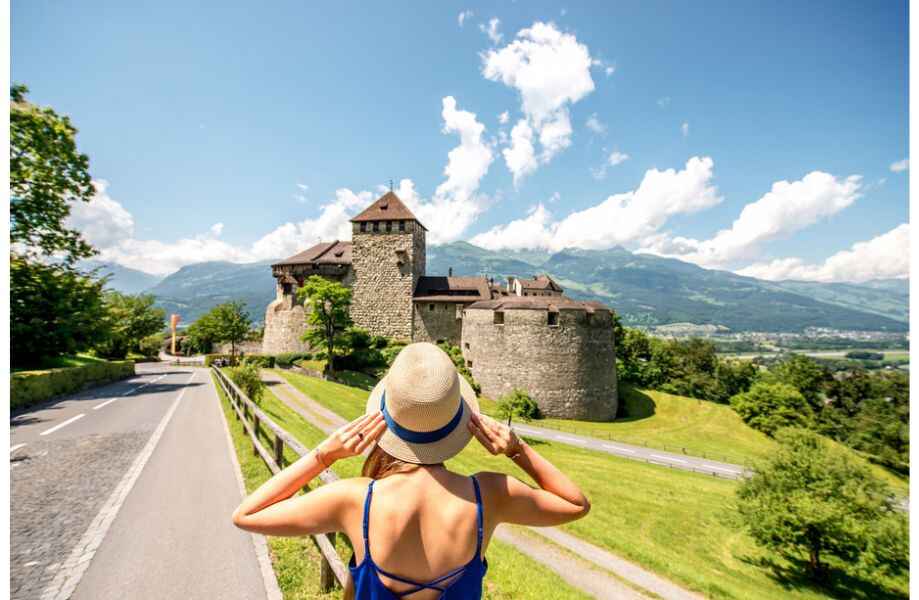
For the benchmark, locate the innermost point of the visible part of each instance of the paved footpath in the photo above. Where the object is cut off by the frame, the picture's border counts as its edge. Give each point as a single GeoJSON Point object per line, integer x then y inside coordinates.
{"type": "Point", "coordinates": [126, 491]}
{"type": "Point", "coordinates": [589, 571]}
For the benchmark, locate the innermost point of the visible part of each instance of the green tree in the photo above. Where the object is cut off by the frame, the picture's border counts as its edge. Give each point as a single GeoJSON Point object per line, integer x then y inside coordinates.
{"type": "Point", "coordinates": [769, 407]}
{"type": "Point", "coordinates": [806, 375]}
{"type": "Point", "coordinates": [813, 501]}
{"type": "Point", "coordinates": [518, 404]}
{"type": "Point", "coordinates": [228, 322]}
{"type": "Point", "coordinates": [200, 336]}
{"type": "Point", "coordinates": [47, 174]}
{"type": "Point", "coordinates": [327, 315]}
{"type": "Point", "coordinates": [129, 319]}
{"type": "Point", "coordinates": [53, 311]}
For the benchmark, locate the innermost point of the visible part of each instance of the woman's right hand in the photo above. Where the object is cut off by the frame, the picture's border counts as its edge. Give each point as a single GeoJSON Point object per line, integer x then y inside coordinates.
{"type": "Point", "coordinates": [352, 439]}
{"type": "Point", "coordinates": [496, 437]}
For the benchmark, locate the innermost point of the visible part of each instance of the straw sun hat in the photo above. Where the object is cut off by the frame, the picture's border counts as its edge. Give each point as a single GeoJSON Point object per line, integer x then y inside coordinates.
{"type": "Point", "coordinates": [426, 405]}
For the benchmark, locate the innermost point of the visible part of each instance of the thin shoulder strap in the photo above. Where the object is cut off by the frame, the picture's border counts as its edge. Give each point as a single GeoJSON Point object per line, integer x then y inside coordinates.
{"type": "Point", "coordinates": [366, 524]}
{"type": "Point", "coordinates": [480, 517]}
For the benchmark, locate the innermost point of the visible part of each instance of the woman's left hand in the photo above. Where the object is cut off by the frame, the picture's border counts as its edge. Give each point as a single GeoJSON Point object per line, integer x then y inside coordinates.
{"type": "Point", "coordinates": [352, 439]}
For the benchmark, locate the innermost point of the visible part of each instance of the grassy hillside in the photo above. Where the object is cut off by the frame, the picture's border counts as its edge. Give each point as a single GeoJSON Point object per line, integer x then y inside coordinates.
{"type": "Point", "coordinates": [675, 423]}
{"type": "Point", "coordinates": [679, 524]}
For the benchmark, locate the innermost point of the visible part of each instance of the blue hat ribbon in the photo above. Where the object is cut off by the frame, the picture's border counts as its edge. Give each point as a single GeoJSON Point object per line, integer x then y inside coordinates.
{"type": "Point", "coordinates": [420, 437]}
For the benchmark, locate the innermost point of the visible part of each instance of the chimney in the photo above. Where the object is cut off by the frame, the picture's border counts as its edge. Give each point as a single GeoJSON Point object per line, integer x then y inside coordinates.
{"type": "Point", "coordinates": [450, 272]}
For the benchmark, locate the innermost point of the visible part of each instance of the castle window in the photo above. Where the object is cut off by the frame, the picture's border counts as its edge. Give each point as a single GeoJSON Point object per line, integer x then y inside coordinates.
{"type": "Point", "coordinates": [553, 319]}
{"type": "Point", "coordinates": [467, 345]}
{"type": "Point", "coordinates": [401, 225]}
{"type": "Point", "coordinates": [287, 289]}
{"type": "Point", "coordinates": [388, 226]}
{"type": "Point", "coordinates": [430, 307]}
{"type": "Point", "coordinates": [363, 227]}
{"type": "Point", "coordinates": [499, 317]}
{"type": "Point", "coordinates": [376, 226]}
{"type": "Point", "coordinates": [469, 363]}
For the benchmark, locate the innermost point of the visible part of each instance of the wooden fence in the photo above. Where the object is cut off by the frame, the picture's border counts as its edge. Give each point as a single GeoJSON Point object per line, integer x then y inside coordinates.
{"type": "Point", "coordinates": [332, 569]}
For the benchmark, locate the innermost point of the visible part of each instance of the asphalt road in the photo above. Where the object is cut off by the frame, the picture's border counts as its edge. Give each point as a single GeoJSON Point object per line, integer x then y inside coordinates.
{"type": "Point", "coordinates": [126, 491]}
{"type": "Point", "coordinates": [640, 453]}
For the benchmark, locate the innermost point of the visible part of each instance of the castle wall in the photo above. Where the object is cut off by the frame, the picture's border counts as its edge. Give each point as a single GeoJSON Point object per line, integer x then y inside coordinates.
{"type": "Point", "coordinates": [444, 322]}
{"type": "Point", "coordinates": [285, 324]}
{"type": "Point", "coordinates": [382, 292]}
{"type": "Point", "coordinates": [568, 369]}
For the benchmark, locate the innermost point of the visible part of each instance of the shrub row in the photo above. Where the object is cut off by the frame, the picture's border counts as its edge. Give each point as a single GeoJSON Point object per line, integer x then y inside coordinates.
{"type": "Point", "coordinates": [264, 361]}
{"type": "Point", "coordinates": [287, 359]}
{"type": "Point", "coordinates": [30, 387]}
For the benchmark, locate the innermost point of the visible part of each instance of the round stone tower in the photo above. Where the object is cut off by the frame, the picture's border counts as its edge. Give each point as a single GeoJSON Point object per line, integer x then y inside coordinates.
{"type": "Point", "coordinates": [559, 350]}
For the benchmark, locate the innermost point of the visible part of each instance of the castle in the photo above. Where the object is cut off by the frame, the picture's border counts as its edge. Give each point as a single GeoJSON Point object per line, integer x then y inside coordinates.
{"type": "Point", "coordinates": [525, 334]}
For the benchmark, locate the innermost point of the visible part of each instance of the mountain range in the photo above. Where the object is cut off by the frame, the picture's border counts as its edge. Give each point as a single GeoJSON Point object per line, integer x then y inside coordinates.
{"type": "Point", "coordinates": [644, 289]}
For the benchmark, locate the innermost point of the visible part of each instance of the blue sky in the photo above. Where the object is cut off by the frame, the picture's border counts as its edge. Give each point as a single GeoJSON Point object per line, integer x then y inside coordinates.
{"type": "Point", "coordinates": [204, 119]}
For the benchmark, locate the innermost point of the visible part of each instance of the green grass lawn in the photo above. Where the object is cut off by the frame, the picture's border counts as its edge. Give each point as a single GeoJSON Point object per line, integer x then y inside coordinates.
{"type": "Point", "coordinates": [681, 525]}
{"type": "Point", "coordinates": [296, 560]}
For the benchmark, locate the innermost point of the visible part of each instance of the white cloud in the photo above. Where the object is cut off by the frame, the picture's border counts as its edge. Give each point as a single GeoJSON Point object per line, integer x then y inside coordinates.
{"type": "Point", "coordinates": [533, 231]}
{"type": "Point", "coordinates": [464, 16]}
{"type": "Point", "coordinates": [550, 69]}
{"type": "Point", "coordinates": [684, 129]}
{"type": "Point", "coordinates": [504, 117]}
{"type": "Point", "coordinates": [900, 165]}
{"type": "Point", "coordinates": [102, 220]}
{"type": "Point", "coordinates": [521, 156]}
{"type": "Point", "coordinates": [468, 162]}
{"type": "Point", "coordinates": [885, 256]}
{"type": "Point", "coordinates": [617, 158]}
{"type": "Point", "coordinates": [596, 125]}
{"type": "Point", "coordinates": [491, 30]}
{"type": "Point", "coordinates": [621, 218]}
{"type": "Point", "coordinates": [788, 207]}
{"type": "Point", "coordinates": [216, 229]}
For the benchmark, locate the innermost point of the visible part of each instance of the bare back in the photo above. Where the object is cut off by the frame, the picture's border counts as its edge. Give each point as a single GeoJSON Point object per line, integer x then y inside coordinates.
{"type": "Point", "coordinates": [422, 525]}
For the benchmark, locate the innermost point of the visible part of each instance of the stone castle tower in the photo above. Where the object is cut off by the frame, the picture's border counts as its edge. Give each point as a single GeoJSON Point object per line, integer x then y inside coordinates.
{"type": "Point", "coordinates": [388, 258]}
{"type": "Point", "coordinates": [526, 335]}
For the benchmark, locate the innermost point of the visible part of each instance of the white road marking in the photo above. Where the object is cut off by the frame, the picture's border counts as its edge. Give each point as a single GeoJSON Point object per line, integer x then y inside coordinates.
{"type": "Point", "coordinates": [668, 458]}
{"type": "Point", "coordinates": [618, 449]}
{"type": "Point", "coordinates": [70, 573]}
{"type": "Point", "coordinates": [16, 447]}
{"type": "Point", "coordinates": [64, 424]}
{"type": "Point", "coordinates": [129, 392]}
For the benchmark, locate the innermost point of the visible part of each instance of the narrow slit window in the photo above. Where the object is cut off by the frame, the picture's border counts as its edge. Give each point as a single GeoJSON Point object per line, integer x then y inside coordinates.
{"type": "Point", "coordinates": [376, 226]}
{"type": "Point", "coordinates": [430, 307]}
{"type": "Point", "coordinates": [388, 226]}
{"type": "Point", "coordinates": [401, 225]}
{"type": "Point", "coordinates": [363, 227]}
{"type": "Point", "coordinates": [499, 318]}
{"type": "Point", "coordinates": [553, 319]}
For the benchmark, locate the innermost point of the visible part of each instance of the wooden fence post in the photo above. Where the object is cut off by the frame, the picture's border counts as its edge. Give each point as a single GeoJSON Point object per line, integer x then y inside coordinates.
{"type": "Point", "coordinates": [279, 451]}
{"type": "Point", "coordinates": [326, 575]}
{"type": "Point", "coordinates": [255, 430]}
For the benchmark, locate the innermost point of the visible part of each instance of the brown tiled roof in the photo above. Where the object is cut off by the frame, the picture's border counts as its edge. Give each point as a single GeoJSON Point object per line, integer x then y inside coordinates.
{"type": "Point", "coordinates": [550, 303]}
{"type": "Point", "coordinates": [451, 289]}
{"type": "Point", "coordinates": [325, 253]}
{"type": "Point", "coordinates": [388, 207]}
{"type": "Point", "coordinates": [541, 282]}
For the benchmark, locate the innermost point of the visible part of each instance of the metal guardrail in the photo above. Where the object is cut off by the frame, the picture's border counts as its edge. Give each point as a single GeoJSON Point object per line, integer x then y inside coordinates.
{"type": "Point", "coordinates": [332, 568]}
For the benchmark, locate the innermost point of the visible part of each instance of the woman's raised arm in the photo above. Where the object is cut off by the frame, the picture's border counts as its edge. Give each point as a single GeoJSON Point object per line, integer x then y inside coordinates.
{"type": "Point", "coordinates": [271, 509]}
{"type": "Point", "coordinates": [558, 499]}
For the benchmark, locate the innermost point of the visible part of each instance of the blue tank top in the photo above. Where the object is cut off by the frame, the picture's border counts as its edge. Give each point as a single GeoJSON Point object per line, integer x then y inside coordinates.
{"type": "Point", "coordinates": [464, 582]}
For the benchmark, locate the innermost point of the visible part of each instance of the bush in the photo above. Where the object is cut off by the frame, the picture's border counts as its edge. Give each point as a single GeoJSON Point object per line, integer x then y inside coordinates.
{"type": "Point", "coordinates": [263, 361]}
{"type": "Point", "coordinates": [249, 380]}
{"type": "Point", "coordinates": [151, 345]}
{"type": "Point", "coordinates": [30, 387]}
{"type": "Point", "coordinates": [517, 404]}
{"type": "Point", "coordinates": [287, 359]}
{"type": "Point", "coordinates": [360, 351]}
{"type": "Point", "coordinates": [769, 407]}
